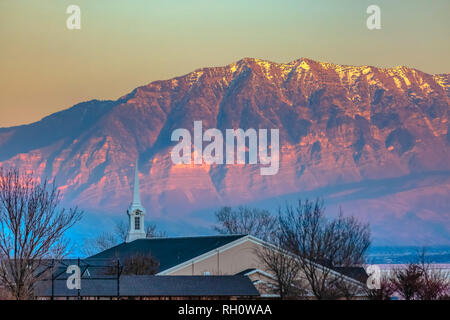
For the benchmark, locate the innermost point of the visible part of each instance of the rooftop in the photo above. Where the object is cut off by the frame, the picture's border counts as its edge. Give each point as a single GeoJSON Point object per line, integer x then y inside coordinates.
{"type": "Point", "coordinates": [149, 286]}
{"type": "Point", "coordinates": [168, 251]}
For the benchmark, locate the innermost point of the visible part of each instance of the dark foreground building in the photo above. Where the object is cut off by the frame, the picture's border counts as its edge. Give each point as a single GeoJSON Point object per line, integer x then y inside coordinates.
{"type": "Point", "coordinates": [143, 287]}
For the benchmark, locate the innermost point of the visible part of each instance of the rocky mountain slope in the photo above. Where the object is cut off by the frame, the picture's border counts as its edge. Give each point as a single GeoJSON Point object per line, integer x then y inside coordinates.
{"type": "Point", "coordinates": [345, 132]}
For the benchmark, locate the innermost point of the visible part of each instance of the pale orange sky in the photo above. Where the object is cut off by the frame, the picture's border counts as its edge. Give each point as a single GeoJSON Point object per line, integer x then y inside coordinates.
{"type": "Point", "coordinates": [123, 44]}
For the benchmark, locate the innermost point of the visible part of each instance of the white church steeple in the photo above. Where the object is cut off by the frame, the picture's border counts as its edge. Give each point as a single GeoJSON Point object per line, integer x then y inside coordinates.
{"type": "Point", "coordinates": [136, 212]}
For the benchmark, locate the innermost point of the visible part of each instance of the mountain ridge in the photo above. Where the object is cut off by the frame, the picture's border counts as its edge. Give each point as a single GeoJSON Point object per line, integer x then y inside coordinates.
{"type": "Point", "coordinates": [338, 125]}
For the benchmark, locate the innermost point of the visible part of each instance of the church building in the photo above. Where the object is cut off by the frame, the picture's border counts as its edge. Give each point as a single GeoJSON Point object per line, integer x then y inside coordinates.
{"type": "Point", "coordinates": [212, 255]}
{"type": "Point", "coordinates": [200, 267]}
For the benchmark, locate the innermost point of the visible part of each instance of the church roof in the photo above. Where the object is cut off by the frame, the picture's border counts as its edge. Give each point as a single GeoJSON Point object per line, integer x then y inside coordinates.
{"type": "Point", "coordinates": [169, 252]}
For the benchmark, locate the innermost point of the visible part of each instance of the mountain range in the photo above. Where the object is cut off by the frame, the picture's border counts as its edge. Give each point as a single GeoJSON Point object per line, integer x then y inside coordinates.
{"type": "Point", "coordinates": [373, 141]}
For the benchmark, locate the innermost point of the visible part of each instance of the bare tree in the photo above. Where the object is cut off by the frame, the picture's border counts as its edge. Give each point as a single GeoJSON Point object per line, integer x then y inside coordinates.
{"type": "Point", "coordinates": [244, 220]}
{"type": "Point", "coordinates": [152, 232]}
{"type": "Point", "coordinates": [420, 281]}
{"type": "Point", "coordinates": [322, 245]}
{"type": "Point", "coordinates": [120, 232]}
{"type": "Point", "coordinates": [385, 291]}
{"type": "Point", "coordinates": [407, 281]}
{"type": "Point", "coordinates": [4, 293]}
{"type": "Point", "coordinates": [284, 266]}
{"type": "Point", "coordinates": [32, 228]}
{"type": "Point", "coordinates": [435, 282]}
{"type": "Point", "coordinates": [102, 242]}
{"type": "Point", "coordinates": [135, 264]}
{"type": "Point", "coordinates": [140, 264]}
{"type": "Point", "coordinates": [347, 288]}
{"type": "Point", "coordinates": [435, 285]}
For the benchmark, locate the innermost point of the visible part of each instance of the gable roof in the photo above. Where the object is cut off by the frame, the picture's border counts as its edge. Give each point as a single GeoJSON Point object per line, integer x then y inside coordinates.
{"type": "Point", "coordinates": [148, 286]}
{"type": "Point", "coordinates": [169, 252]}
{"type": "Point", "coordinates": [357, 273]}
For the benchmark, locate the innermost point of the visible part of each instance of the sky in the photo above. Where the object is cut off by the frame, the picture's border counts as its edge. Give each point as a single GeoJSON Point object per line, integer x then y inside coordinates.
{"type": "Point", "coordinates": [45, 67]}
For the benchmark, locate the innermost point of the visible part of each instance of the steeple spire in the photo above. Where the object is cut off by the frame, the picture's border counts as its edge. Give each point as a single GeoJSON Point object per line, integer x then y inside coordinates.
{"type": "Point", "coordinates": [136, 212]}
{"type": "Point", "coordinates": [136, 190]}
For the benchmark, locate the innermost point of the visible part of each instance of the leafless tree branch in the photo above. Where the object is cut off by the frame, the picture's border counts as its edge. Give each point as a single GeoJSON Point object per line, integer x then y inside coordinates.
{"type": "Point", "coordinates": [32, 228]}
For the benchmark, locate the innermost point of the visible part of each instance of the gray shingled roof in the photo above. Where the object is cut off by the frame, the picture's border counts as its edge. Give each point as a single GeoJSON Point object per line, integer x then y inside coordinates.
{"type": "Point", "coordinates": [357, 273]}
{"type": "Point", "coordinates": [148, 286]}
{"type": "Point", "coordinates": [168, 251]}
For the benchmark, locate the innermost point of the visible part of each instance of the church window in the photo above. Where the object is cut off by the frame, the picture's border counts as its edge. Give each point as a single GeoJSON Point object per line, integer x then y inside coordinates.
{"type": "Point", "coordinates": [137, 223]}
